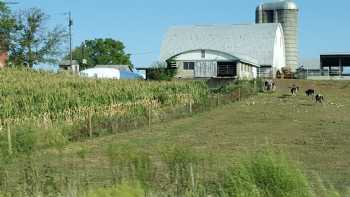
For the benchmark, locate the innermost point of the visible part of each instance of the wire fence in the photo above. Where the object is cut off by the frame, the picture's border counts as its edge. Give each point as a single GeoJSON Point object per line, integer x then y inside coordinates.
{"type": "Point", "coordinates": [59, 173]}
{"type": "Point", "coordinates": [23, 174]}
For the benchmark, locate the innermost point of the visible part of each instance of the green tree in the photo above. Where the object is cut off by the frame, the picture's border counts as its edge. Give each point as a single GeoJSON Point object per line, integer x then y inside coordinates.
{"type": "Point", "coordinates": [7, 26]}
{"type": "Point", "coordinates": [33, 43]}
{"type": "Point", "coordinates": [102, 52]}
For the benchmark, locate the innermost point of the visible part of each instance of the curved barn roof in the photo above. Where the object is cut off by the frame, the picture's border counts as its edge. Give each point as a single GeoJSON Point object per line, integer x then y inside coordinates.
{"type": "Point", "coordinates": [252, 43]}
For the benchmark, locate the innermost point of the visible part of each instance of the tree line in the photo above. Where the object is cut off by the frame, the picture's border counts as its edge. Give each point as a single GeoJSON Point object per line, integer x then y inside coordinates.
{"type": "Point", "coordinates": [29, 41]}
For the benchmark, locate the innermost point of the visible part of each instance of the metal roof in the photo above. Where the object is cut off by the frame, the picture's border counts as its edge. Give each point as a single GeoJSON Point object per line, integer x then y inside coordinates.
{"type": "Point", "coordinates": [279, 5]}
{"type": "Point", "coordinates": [336, 54]}
{"type": "Point", "coordinates": [119, 67]}
{"type": "Point", "coordinates": [252, 43]}
{"type": "Point", "coordinates": [67, 62]}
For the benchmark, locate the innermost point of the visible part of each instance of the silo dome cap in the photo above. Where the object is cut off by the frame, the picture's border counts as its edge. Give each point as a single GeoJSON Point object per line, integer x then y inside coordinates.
{"type": "Point", "coordinates": [278, 5]}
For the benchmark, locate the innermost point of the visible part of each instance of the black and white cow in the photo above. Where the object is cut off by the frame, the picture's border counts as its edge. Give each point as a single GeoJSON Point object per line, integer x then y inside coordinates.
{"type": "Point", "coordinates": [270, 85]}
{"type": "Point", "coordinates": [294, 90]}
{"type": "Point", "coordinates": [319, 98]}
{"type": "Point", "coordinates": [310, 92]}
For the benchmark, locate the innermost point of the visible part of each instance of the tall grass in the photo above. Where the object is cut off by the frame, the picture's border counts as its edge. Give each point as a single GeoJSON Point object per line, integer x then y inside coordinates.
{"type": "Point", "coordinates": [266, 174]}
{"type": "Point", "coordinates": [176, 171]}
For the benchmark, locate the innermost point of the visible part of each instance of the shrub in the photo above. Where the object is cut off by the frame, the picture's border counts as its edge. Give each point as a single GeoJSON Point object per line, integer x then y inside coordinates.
{"type": "Point", "coordinates": [160, 72]}
{"type": "Point", "coordinates": [246, 88]}
{"type": "Point", "coordinates": [264, 175]}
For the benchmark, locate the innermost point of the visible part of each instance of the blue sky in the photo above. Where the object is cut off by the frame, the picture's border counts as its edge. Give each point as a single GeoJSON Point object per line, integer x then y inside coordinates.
{"type": "Point", "coordinates": [141, 24]}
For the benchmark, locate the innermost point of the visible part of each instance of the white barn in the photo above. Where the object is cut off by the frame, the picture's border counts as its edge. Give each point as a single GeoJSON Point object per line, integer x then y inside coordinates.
{"type": "Point", "coordinates": [231, 51]}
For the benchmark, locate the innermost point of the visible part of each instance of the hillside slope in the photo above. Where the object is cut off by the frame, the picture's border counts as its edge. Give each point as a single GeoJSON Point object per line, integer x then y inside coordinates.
{"type": "Point", "coordinates": [317, 136]}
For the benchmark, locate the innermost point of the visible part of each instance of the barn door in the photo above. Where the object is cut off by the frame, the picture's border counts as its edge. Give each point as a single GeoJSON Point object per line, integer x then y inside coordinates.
{"type": "Point", "coordinates": [227, 69]}
{"type": "Point", "coordinates": [205, 69]}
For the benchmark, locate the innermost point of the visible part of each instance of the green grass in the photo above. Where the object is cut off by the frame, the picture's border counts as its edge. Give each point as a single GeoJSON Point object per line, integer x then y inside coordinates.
{"type": "Point", "coordinates": [315, 137]}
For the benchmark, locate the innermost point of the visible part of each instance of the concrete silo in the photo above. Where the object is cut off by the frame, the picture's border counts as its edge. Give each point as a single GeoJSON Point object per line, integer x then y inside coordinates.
{"type": "Point", "coordinates": [286, 13]}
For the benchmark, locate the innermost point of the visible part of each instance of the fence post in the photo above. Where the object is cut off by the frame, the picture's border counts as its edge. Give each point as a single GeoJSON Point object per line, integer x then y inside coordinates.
{"type": "Point", "coordinates": [190, 106]}
{"type": "Point", "coordinates": [217, 100]}
{"type": "Point", "coordinates": [149, 117]}
{"type": "Point", "coordinates": [192, 178]}
{"type": "Point", "coordinates": [239, 94]}
{"type": "Point", "coordinates": [90, 123]}
{"type": "Point", "coordinates": [9, 139]}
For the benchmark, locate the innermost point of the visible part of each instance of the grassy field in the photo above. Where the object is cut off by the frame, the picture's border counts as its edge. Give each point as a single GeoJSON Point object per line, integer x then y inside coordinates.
{"type": "Point", "coordinates": [317, 136]}
{"type": "Point", "coordinates": [314, 136]}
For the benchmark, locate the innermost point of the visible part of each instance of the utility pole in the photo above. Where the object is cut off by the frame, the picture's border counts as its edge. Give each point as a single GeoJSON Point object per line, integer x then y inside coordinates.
{"type": "Point", "coordinates": [70, 24]}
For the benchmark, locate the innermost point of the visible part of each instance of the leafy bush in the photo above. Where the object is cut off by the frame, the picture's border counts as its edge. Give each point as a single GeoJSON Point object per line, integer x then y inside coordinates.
{"type": "Point", "coordinates": [246, 88]}
{"type": "Point", "coordinates": [160, 72]}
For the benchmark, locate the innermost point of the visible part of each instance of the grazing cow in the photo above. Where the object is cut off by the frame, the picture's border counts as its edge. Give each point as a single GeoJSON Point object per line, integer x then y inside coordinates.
{"type": "Point", "coordinates": [270, 85]}
{"type": "Point", "coordinates": [294, 89]}
{"type": "Point", "coordinates": [310, 92]}
{"type": "Point", "coordinates": [266, 85]}
{"type": "Point", "coordinates": [319, 98]}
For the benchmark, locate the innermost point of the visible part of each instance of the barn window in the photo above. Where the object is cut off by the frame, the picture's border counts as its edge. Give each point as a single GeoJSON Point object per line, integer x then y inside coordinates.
{"type": "Point", "coordinates": [203, 53]}
{"type": "Point", "coordinates": [188, 65]}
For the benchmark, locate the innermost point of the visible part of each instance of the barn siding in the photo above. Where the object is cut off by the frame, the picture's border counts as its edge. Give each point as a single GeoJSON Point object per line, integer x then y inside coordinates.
{"type": "Point", "coordinates": [181, 73]}
{"type": "Point", "coordinates": [205, 69]}
{"type": "Point", "coordinates": [208, 69]}
{"type": "Point", "coordinates": [246, 71]}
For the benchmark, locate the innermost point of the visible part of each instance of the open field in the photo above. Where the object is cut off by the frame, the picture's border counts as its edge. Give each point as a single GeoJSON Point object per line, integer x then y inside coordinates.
{"type": "Point", "coordinates": [315, 136]}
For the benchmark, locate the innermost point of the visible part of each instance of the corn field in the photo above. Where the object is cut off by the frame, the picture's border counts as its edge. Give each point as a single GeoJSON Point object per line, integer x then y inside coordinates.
{"type": "Point", "coordinates": [74, 107]}
{"type": "Point", "coordinates": [27, 94]}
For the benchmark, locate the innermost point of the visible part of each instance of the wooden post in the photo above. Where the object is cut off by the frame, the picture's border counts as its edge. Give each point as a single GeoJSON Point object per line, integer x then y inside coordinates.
{"type": "Point", "coordinates": [239, 94]}
{"type": "Point", "coordinates": [90, 124]}
{"type": "Point", "coordinates": [192, 177]}
{"type": "Point", "coordinates": [149, 118]}
{"type": "Point", "coordinates": [217, 100]}
{"type": "Point", "coordinates": [190, 106]}
{"type": "Point", "coordinates": [9, 139]}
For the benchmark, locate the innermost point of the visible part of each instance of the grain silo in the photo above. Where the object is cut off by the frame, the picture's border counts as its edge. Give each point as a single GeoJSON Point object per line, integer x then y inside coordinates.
{"type": "Point", "coordinates": [286, 13]}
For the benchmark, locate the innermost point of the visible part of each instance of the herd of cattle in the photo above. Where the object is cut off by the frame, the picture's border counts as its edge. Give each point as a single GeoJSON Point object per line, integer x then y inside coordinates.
{"type": "Point", "coordinates": [270, 86]}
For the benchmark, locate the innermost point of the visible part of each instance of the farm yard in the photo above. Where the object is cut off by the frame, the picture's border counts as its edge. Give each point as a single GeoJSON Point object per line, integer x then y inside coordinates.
{"type": "Point", "coordinates": [91, 107]}
{"type": "Point", "coordinates": [52, 154]}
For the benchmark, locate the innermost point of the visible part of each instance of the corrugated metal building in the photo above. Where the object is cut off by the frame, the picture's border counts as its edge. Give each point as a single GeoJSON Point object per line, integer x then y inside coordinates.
{"type": "Point", "coordinates": [235, 51]}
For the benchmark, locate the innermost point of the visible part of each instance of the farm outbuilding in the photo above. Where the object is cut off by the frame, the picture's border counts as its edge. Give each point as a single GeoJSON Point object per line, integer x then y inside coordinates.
{"type": "Point", "coordinates": [338, 64]}
{"type": "Point", "coordinates": [231, 51]}
{"type": "Point", "coordinates": [72, 67]}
